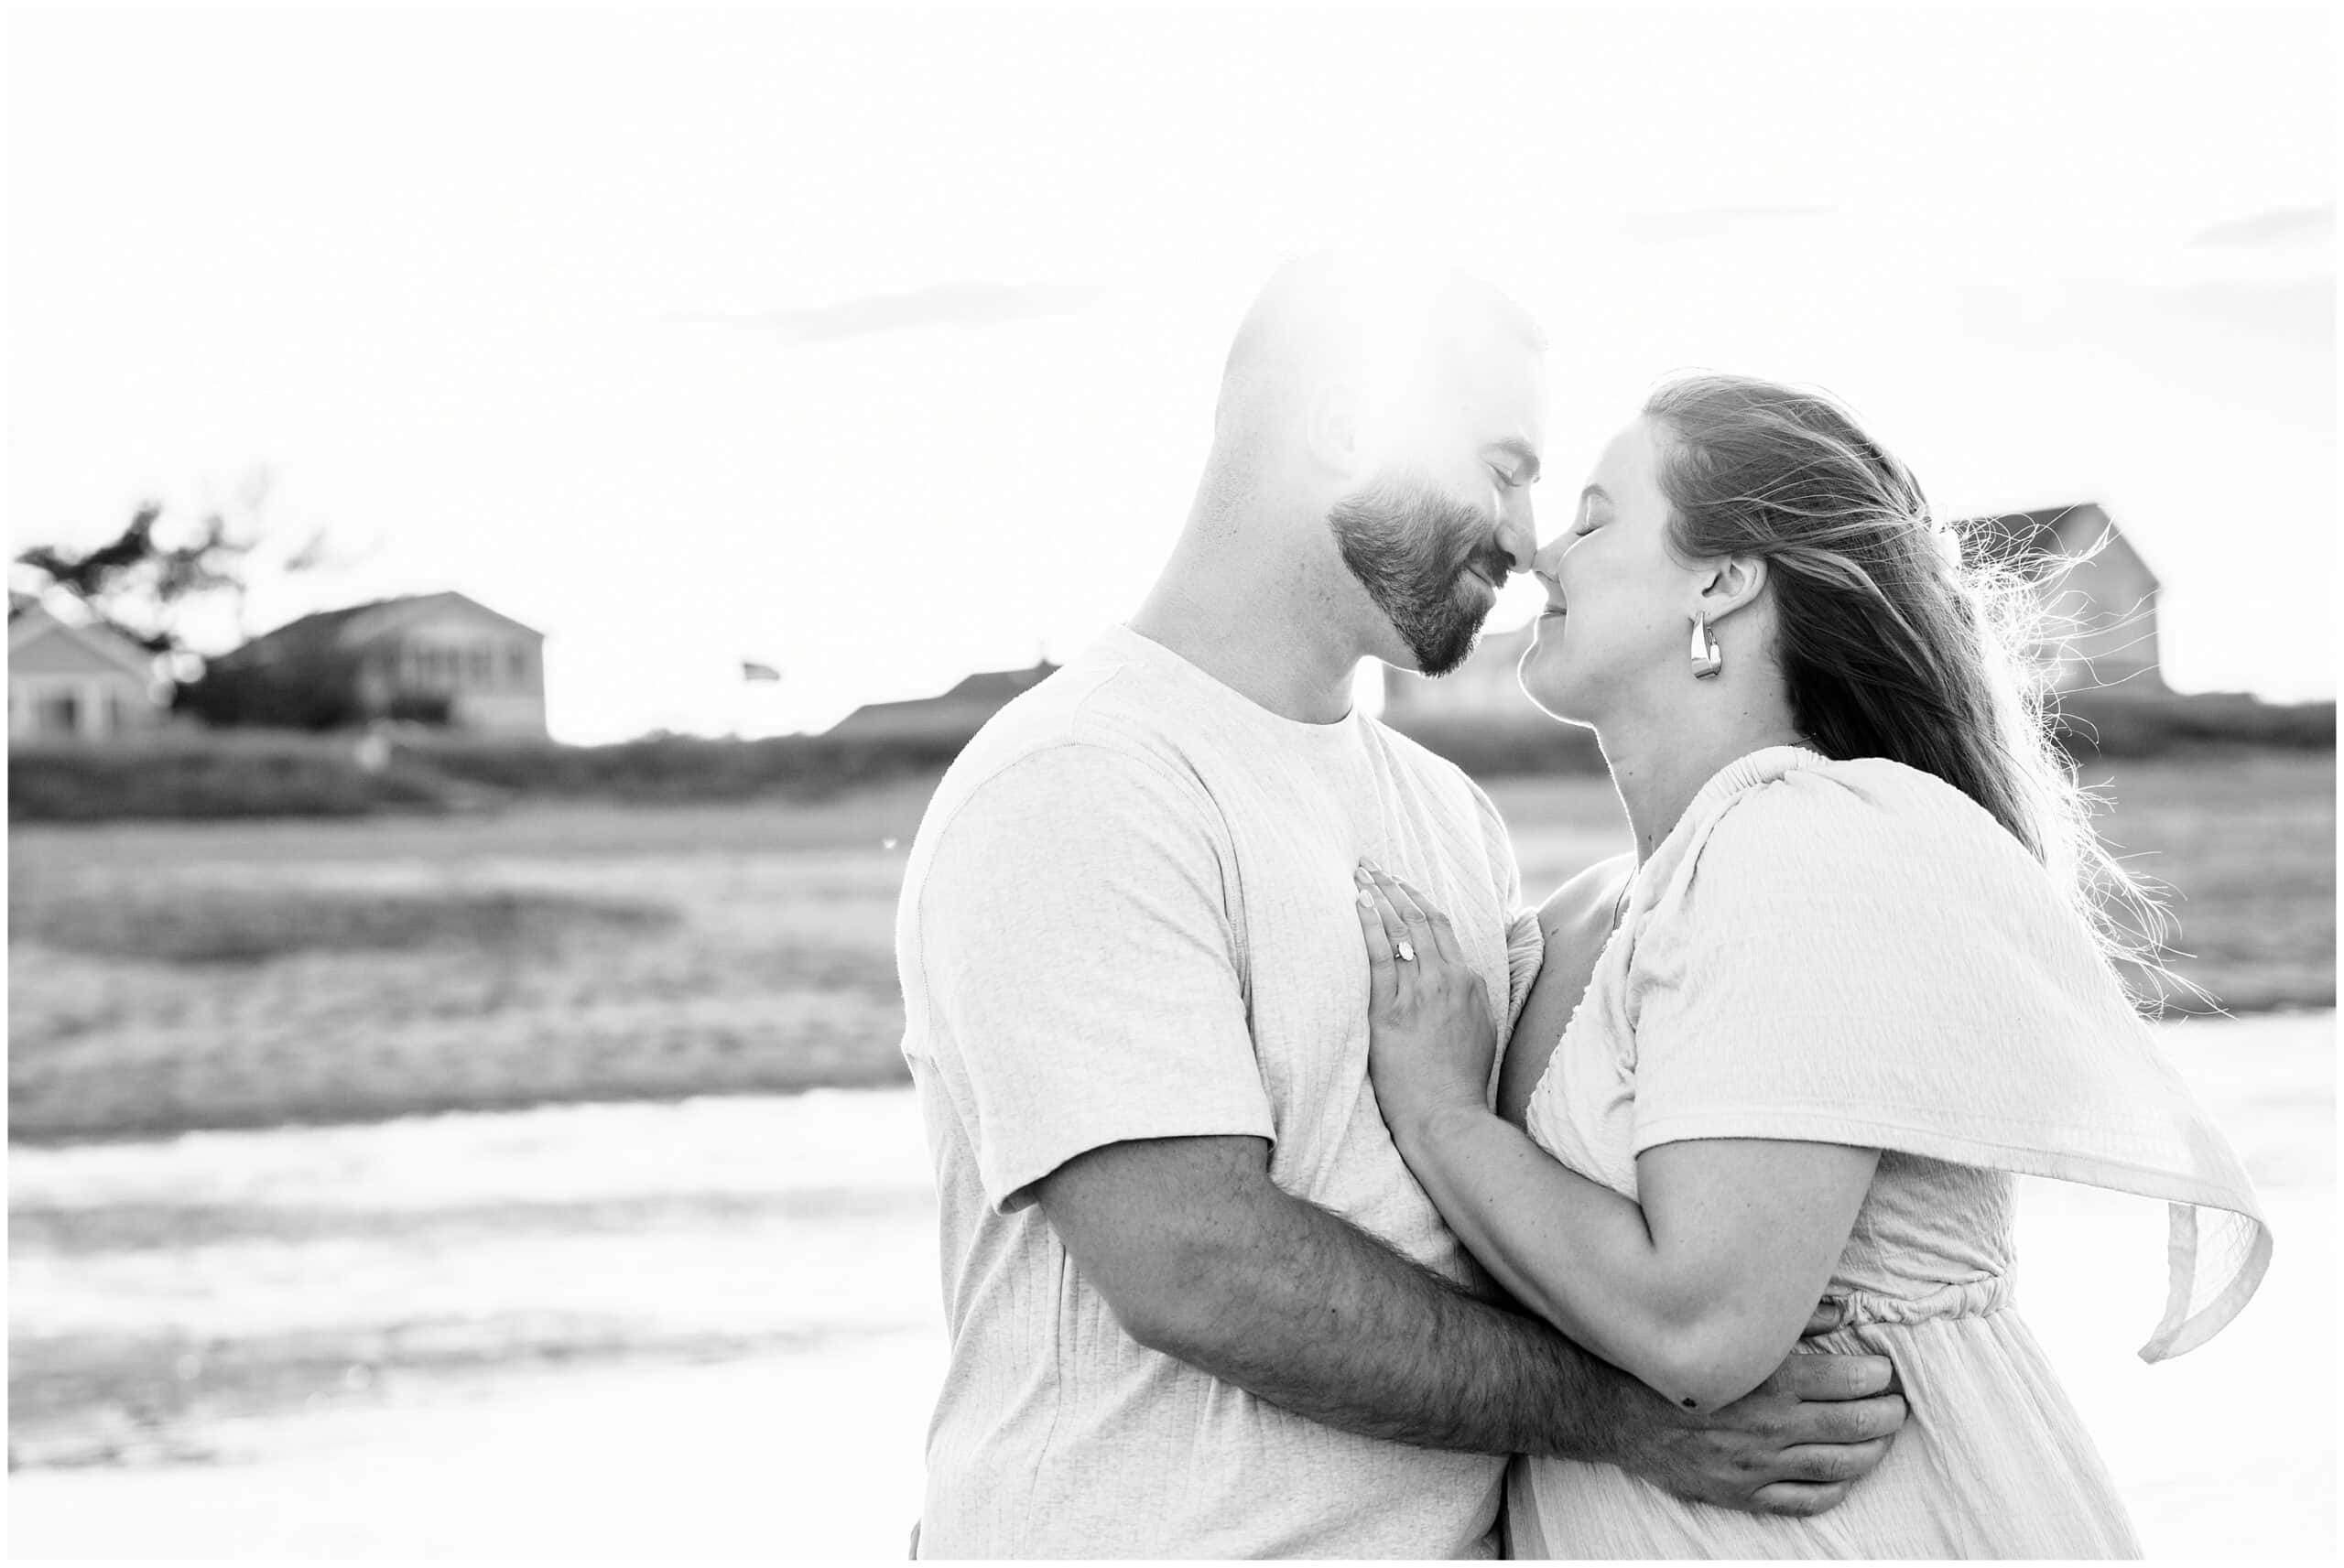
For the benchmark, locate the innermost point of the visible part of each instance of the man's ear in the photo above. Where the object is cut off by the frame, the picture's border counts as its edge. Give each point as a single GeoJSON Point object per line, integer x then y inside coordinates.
{"type": "Point", "coordinates": [1733, 582]}
{"type": "Point", "coordinates": [1335, 430]}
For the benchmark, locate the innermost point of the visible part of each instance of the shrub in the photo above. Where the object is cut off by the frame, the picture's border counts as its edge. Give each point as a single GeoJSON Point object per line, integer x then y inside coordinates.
{"type": "Point", "coordinates": [200, 924]}
{"type": "Point", "coordinates": [2093, 725]}
{"type": "Point", "coordinates": [271, 773]}
{"type": "Point", "coordinates": [207, 775]}
{"type": "Point", "coordinates": [2115, 723]}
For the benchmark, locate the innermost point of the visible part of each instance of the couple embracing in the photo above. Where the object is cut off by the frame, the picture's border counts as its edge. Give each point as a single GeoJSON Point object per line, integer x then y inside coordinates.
{"type": "Point", "coordinates": [1307, 1191]}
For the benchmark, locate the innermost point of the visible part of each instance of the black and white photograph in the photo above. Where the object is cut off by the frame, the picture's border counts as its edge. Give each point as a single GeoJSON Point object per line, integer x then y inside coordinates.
{"type": "Point", "coordinates": [1166, 783]}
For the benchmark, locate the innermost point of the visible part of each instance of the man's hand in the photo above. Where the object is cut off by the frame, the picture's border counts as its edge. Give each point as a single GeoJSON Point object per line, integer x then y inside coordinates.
{"type": "Point", "coordinates": [1793, 1445]}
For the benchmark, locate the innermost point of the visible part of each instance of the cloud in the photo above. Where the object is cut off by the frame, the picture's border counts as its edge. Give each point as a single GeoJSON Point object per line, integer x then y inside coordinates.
{"type": "Point", "coordinates": [943, 304]}
{"type": "Point", "coordinates": [2282, 226]}
{"type": "Point", "coordinates": [1713, 221]}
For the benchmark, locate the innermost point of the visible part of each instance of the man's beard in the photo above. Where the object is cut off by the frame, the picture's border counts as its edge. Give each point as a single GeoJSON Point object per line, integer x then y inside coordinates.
{"type": "Point", "coordinates": [1409, 546]}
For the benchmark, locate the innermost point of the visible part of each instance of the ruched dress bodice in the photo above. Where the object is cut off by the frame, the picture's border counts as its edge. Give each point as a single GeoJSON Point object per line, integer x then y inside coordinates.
{"type": "Point", "coordinates": [1993, 1461]}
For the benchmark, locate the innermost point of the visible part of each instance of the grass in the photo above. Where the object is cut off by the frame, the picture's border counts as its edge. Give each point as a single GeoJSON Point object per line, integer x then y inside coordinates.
{"type": "Point", "coordinates": [245, 974]}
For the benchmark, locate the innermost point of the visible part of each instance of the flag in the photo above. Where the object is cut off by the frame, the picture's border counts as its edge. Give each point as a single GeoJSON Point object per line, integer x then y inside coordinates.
{"type": "Point", "coordinates": [751, 670]}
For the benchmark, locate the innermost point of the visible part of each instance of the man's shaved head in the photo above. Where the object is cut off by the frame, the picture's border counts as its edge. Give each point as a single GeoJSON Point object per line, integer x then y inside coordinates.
{"type": "Point", "coordinates": [1393, 410]}
{"type": "Point", "coordinates": [1385, 328]}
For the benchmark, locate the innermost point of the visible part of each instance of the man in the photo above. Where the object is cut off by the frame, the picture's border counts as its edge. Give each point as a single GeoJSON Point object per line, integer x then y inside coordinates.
{"type": "Point", "coordinates": [1199, 1307]}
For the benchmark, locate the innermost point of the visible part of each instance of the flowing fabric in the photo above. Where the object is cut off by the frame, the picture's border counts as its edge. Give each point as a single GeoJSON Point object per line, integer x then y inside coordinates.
{"type": "Point", "coordinates": [1854, 952]}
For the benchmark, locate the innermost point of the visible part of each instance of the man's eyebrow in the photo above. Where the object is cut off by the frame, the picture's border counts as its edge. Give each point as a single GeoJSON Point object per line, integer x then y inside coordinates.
{"type": "Point", "coordinates": [1521, 451]}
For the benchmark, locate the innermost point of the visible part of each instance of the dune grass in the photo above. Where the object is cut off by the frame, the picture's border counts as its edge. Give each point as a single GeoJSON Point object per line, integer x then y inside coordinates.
{"type": "Point", "coordinates": [174, 976]}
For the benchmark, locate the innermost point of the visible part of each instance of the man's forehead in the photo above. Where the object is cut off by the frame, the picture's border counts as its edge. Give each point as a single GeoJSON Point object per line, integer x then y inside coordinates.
{"type": "Point", "coordinates": [1499, 380]}
{"type": "Point", "coordinates": [1514, 410]}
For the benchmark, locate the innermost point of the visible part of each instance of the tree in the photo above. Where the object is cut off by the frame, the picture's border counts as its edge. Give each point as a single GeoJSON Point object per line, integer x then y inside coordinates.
{"type": "Point", "coordinates": [159, 584]}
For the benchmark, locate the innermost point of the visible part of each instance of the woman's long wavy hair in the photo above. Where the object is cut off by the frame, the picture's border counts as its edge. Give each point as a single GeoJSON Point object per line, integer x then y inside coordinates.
{"type": "Point", "coordinates": [1896, 637]}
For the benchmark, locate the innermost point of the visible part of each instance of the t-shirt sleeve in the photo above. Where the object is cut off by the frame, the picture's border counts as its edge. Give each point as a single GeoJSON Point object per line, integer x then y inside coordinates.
{"type": "Point", "coordinates": [1080, 971]}
{"type": "Point", "coordinates": [1827, 966]}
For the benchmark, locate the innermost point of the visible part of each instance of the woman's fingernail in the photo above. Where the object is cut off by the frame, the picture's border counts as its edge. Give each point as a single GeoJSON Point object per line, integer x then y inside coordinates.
{"type": "Point", "coordinates": [1365, 900]}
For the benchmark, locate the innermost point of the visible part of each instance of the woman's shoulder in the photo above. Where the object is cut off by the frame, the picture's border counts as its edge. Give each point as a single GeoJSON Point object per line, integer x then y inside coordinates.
{"type": "Point", "coordinates": [1588, 898]}
{"type": "Point", "coordinates": [1824, 821]}
{"type": "Point", "coordinates": [1819, 796]}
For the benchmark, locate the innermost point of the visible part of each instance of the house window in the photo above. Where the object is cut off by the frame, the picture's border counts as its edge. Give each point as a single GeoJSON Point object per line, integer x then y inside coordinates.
{"type": "Point", "coordinates": [57, 713]}
{"type": "Point", "coordinates": [516, 665]}
{"type": "Point", "coordinates": [482, 671]}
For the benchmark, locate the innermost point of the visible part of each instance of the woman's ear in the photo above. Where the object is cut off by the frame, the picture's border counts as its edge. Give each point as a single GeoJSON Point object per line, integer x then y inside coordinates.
{"type": "Point", "coordinates": [1734, 581]}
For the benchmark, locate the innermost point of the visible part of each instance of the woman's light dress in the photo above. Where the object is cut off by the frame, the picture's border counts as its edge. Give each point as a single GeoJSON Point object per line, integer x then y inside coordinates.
{"type": "Point", "coordinates": [1854, 952]}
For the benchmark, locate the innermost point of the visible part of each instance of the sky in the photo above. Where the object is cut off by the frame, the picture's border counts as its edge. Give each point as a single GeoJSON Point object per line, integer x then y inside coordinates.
{"type": "Point", "coordinates": [880, 346]}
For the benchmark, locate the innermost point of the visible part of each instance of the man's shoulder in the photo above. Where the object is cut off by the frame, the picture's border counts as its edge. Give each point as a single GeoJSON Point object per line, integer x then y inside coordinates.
{"type": "Point", "coordinates": [1099, 705]}
{"type": "Point", "coordinates": [1082, 752]}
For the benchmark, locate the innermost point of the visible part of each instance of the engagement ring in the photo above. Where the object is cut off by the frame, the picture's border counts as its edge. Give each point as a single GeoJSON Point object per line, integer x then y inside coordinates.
{"type": "Point", "coordinates": [1406, 950]}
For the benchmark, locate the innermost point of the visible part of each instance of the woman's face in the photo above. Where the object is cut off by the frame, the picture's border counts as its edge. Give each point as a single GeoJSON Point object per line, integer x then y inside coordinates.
{"type": "Point", "coordinates": [1619, 616]}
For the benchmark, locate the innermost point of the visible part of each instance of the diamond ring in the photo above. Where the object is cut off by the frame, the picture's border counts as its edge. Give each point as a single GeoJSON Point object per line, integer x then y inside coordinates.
{"type": "Point", "coordinates": [1406, 950]}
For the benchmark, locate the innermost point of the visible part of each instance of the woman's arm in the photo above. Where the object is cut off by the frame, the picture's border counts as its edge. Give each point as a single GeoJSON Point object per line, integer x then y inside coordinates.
{"type": "Point", "coordinates": [1700, 1290]}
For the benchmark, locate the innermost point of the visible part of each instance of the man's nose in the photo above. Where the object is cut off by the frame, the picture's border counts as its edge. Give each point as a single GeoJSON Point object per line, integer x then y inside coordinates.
{"type": "Point", "coordinates": [1518, 538]}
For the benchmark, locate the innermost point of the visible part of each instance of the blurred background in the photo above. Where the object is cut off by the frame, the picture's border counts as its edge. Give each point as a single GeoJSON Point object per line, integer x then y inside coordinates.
{"type": "Point", "coordinates": [510, 510]}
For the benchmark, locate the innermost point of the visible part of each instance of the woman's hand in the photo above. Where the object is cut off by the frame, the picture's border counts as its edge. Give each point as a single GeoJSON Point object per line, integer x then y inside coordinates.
{"type": "Point", "coordinates": [1431, 1037]}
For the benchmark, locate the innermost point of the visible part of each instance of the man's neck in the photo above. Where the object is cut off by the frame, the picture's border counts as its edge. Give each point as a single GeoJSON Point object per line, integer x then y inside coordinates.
{"type": "Point", "coordinates": [1261, 622]}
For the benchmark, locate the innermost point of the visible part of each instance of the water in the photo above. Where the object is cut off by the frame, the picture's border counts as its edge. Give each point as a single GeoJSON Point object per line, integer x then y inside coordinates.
{"type": "Point", "coordinates": [806, 1221]}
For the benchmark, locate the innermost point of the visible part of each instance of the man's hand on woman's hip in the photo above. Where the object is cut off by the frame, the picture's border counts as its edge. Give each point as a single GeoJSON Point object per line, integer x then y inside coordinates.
{"type": "Point", "coordinates": [1793, 1445]}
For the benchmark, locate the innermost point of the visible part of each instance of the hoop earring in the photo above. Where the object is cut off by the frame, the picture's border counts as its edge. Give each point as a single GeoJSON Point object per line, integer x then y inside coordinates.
{"type": "Point", "coordinates": [1708, 657]}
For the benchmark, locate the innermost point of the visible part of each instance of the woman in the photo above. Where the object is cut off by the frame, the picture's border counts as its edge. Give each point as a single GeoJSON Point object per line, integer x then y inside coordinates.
{"type": "Point", "coordinates": [1859, 980]}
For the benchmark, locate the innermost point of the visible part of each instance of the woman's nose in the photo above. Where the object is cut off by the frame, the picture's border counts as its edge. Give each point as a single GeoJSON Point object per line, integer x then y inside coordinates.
{"type": "Point", "coordinates": [1547, 558]}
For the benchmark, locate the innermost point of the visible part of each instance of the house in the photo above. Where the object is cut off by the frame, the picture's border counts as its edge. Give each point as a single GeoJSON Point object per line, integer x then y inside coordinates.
{"type": "Point", "coordinates": [436, 656]}
{"type": "Point", "coordinates": [960, 712]}
{"type": "Point", "coordinates": [2103, 609]}
{"type": "Point", "coordinates": [76, 682]}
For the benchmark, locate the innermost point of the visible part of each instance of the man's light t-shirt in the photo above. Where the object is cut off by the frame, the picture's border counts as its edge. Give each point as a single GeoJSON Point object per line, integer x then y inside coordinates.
{"type": "Point", "coordinates": [1129, 913]}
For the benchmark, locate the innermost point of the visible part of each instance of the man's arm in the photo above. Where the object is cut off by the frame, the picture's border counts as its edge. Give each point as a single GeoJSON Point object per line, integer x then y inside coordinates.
{"type": "Point", "coordinates": [1202, 1256]}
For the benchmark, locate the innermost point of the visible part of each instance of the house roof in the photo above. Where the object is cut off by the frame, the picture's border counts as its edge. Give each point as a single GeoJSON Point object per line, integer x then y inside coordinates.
{"type": "Point", "coordinates": [997, 686]}
{"type": "Point", "coordinates": [28, 622]}
{"type": "Point", "coordinates": [356, 625]}
{"type": "Point", "coordinates": [2036, 539]}
{"type": "Point", "coordinates": [969, 703]}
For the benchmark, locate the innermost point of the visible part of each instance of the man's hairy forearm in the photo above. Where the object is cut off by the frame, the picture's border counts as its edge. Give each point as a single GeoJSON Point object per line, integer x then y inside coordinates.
{"type": "Point", "coordinates": [1319, 1318]}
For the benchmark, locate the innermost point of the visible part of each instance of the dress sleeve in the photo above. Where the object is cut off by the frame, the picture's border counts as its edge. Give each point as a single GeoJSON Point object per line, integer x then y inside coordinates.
{"type": "Point", "coordinates": [1079, 967]}
{"type": "Point", "coordinates": [1830, 965]}
{"type": "Point", "coordinates": [1860, 955]}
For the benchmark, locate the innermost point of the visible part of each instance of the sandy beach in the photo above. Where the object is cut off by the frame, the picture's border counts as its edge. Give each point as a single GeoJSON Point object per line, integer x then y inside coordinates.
{"type": "Point", "coordinates": [809, 1445]}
